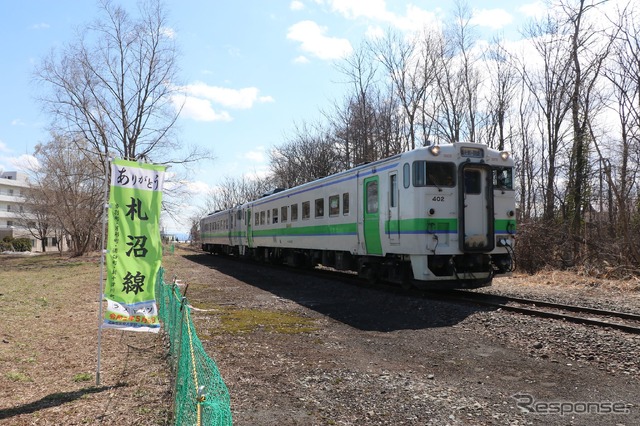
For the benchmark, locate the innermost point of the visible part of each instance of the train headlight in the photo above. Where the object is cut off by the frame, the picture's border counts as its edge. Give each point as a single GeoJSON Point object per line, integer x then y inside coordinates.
{"type": "Point", "coordinates": [434, 150]}
{"type": "Point", "coordinates": [504, 155]}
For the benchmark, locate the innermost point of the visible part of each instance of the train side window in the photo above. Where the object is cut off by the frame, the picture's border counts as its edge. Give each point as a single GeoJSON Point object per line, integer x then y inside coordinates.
{"type": "Point", "coordinates": [294, 212]}
{"type": "Point", "coordinates": [372, 197]}
{"type": "Point", "coordinates": [334, 205]}
{"type": "Point", "coordinates": [268, 217]}
{"type": "Point", "coordinates": [440, 174]}
{"type": "Point", "coordinates": [239, 216]}
{"type": "Point", "coordinates": [275, 215]}
{"type": "Point", "coordinates": [406, 175]}
{"type": "Point", "coordinates": [393, 190]}
{"type": "Point", "coordinates": [306, 210]}
{"type": "Point", "coordinates": [419, 173]}
{"type": "Point", "coordinates": [319, 212]}
{"type": "Point", "coordinates": [257, 221]}
{"type": "Point", "coordinates": [262, 216]}
{"type": "Point", "coordinates": [283, 213]}
{"type": "Point", "coordinates": [345, 204]}
{"type": "Point", "coordinates": [503, 178]}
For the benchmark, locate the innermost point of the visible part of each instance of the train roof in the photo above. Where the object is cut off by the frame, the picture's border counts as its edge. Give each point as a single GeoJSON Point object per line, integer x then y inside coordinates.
{"type": "Point", "coordinates": [446, 150]}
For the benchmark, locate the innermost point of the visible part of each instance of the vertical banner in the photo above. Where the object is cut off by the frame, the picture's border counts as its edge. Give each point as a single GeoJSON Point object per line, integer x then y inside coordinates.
{"type": "Point", "coordinates": [134, 248]}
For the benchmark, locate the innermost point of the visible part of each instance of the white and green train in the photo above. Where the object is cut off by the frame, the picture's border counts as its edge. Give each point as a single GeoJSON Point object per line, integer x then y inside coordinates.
{"type": "Point", "coordinates": [434, 217]}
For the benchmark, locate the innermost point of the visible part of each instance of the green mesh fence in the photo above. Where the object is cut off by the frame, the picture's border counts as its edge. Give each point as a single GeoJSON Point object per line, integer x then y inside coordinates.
{"type": "Point", "coordinates": [200, 397]}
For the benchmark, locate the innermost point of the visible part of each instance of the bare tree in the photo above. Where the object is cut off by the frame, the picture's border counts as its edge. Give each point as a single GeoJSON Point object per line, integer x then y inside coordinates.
{"type": "Point", "coordinates": [406, 65]}
{"type": "Point", "coordinates": [550, 86]}
{"type": "Point", "coordinates": [236, 191]}
{"type": "Point", "coordinates": [621, 155]}
{"type": "Point", "coordinates": [311, 154]}
{"type": "Point", "coordinates": [71, 188]}
{"type": "Point", "coordinates": [36, 216]}
{"type": "Point", "coordinates": [503, 83]}
{"type": "Point", "coordinates": [354, 128]}
{"type": "Point", "coordinates": [589, 48]}
{"type": "Point", "coordinates": [114, 86]}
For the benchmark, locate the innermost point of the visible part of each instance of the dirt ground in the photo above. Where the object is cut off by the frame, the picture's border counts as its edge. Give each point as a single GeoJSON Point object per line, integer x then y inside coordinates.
{"type": "Point", "coordinates": [295, 350]}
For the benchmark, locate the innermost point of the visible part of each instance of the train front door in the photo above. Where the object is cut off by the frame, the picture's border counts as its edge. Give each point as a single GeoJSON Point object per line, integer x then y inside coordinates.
{"type": "Point", "coordinates": [392, 228]}
{"type": "Point", "coordinates": [476, 206]}
{"type": "Point", "coordinates": [249, 232]}
{"type": "Point", "coordinates": [371, 211]}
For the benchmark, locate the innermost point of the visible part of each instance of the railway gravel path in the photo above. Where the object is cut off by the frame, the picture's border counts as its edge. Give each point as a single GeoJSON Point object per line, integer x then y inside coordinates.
{"type": "Point", "coordinates": [297, 350]}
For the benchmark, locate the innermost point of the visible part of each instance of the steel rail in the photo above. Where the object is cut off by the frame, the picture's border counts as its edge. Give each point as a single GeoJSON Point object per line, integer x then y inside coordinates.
{"type": "Point", "coordinates": [502, 302]}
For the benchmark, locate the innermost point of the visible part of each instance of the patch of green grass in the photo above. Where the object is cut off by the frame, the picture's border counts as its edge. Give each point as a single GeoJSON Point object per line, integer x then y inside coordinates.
{"type": "Point", "coordinates": [82, 377]}
{"type": "Point", "coordinates": [16, 376]}
{"type": "Point", "coordinates": [238, 321]}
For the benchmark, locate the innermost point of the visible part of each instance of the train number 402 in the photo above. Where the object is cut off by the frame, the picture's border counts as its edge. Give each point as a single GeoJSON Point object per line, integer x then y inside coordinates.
{"type": "Point", "coordinates": [438, 198]}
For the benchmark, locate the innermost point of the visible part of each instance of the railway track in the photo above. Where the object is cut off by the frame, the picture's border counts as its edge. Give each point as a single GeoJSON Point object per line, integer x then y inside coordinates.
{"type": "Point", "coordinates": [624, 321]}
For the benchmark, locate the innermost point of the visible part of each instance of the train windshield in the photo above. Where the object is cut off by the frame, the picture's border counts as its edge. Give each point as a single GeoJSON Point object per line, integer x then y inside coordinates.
{"type": "Point", "coordinates": [432, 173]}
{"type": "Point", "coordinates": [503, 177]}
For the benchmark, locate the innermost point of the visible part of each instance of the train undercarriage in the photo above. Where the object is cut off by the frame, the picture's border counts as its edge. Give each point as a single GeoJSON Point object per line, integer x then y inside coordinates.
{"type": "Point", "coordinates": [470, 270]}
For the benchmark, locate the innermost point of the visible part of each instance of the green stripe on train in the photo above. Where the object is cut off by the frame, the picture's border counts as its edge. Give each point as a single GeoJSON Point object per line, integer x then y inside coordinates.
{"type": "Point", "coordinates": [421, 225]}
{"type": "Point", "coordinates": [334, 229]}
{"type": "Point", "coordinates": [404, 226]}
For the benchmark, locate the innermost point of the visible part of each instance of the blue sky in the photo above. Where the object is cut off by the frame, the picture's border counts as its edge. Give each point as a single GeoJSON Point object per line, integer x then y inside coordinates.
{"type": "Point", "coordinates": [251, 69]}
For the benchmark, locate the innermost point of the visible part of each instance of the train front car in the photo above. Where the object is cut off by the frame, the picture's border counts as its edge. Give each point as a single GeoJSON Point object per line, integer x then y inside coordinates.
{"type": "Point", "coordinates": [462, 200]}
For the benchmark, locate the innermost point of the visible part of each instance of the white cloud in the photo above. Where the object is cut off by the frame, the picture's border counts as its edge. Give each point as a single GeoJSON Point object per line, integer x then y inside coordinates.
{"type": "Point", "coordinates": [17, 122]}
{"type": "Point", "coordinates": [200, 109]}
{"type": "Point", "coordinates": [314, 41]}
{"type": "Point", "coordinates": [533, 10]}
{"type": "Point", "coordinates": [353, 9]}
{"type": "Point", "coordinates": [198, 99]}
{"type": "Point", "coordinates": [413, 19]}
{"type": "Point", "coordinates": [196, 187]}
{"type": "Point", "coordinates": [168, 32]}
{"type": "Point", "coordinates": [3, 147]}
{"type": "Point", "coordinates": [40, 26]}
{"type": "Point", "coordinates": [231, 98]}
{"type": "Point", "coordinates": [491, 18]}
{"type": "Point", "coordinates": [374, 32]}
{"type": "Point", "coordinates": [257, 155]}
{"type": "Point", "coordinates": [301, 60]}
{"type": "Point", "coordinates": [23, 163]}
{"type": "Point", "coordinates": [296, 5]}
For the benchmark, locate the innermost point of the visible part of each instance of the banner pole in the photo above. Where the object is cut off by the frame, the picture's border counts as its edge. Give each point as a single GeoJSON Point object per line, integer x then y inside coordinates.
{"type": "Point", "coordinates": [103, 252]}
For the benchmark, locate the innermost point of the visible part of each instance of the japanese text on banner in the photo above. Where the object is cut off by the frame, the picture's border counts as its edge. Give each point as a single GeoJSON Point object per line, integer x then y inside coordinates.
{"type": "Point", "coordinates": [134, 247]}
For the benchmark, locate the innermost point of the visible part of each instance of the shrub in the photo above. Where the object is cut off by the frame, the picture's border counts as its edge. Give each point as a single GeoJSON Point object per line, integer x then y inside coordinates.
{"type": "Point", "coordinates": [22, 244]}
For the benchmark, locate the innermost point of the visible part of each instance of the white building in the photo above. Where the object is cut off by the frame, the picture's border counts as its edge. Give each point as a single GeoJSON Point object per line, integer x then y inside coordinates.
{"type": "Point", "coordinates": [13, 186]}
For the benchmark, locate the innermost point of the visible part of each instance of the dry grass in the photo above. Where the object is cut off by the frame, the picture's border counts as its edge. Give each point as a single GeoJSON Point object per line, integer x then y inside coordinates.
{"type": "Point", "coordinates": [48, 350]}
